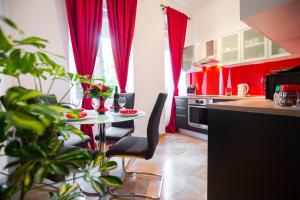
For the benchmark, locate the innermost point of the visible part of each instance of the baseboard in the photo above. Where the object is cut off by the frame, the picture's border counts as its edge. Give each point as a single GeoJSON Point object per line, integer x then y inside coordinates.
{"type": "Point", "coordinates": [200, 136]}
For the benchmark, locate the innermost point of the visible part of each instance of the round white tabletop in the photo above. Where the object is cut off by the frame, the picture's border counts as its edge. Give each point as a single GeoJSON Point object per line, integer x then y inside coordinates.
{"type": "Point", "coordinates": [102, 119]}
{"type": "Point", "coordinates": [109, 117]}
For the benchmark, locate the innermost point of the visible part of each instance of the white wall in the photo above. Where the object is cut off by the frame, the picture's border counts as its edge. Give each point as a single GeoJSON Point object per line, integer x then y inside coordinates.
{"type": "Point", "coordinates": [44, 19]}
{"type": "Point", "coordinates": [214, 18]}
{"type": "Point", "coordinates": [148, 56]}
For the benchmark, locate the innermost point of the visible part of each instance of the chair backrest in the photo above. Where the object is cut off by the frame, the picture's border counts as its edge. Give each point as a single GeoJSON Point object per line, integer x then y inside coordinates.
{"type": "Point", "coordinates": [50, 99]}
{"type": "Point", "coordinates": [129, 105]}
{"type": "Point", "coordinates": [153, 125]}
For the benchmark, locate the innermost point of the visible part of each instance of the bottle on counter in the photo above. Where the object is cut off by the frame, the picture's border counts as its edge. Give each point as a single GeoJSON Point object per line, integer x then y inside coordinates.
{"type": "Point", "coordinates": [116, 105]}
{"type": "Point", "coordinates": [276, 94]}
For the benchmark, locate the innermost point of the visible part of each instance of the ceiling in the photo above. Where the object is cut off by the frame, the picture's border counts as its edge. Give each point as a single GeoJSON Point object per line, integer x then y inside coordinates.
{"type": "Point", "coordinates": [190, 3]}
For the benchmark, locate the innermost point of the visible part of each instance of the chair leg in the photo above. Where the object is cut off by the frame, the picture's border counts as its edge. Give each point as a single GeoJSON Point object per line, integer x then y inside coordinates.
{"type": "Point", "coordinates": [131, 194]}
{"type": "Point", "coordinates": [133, 174]}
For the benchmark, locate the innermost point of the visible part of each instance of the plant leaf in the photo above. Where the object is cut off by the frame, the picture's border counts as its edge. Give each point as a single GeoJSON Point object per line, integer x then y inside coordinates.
{"type": "Point", "coordinates": [25, 121]}
{"type": "Point", "coordinates": [98, 187]}
{"type": "Point", "coordinates": [108, 166]}
{"type": "Point", "coordinates": [11, 24]}
{"type": "Point", "coordinates": [59, 169]}
{"type": "Point", "coordinates": [111, 181]}
{"type": "Point", "coordinates": [13, 148]}
{"type": "Point", "coordinates": [40, 174]}
{"type": "Point", "coordinates": [30, 95]}
{"type": "Point", "coordinates": [5, 42]}
{"type": "Point", "coordinates": [98, 158]}
{"type": "Point", "coordinates": [71, 188]}
{"type": "Point", "coordinates": [62, 189]}
{"type": "Point", "coordinates": [33, 41]}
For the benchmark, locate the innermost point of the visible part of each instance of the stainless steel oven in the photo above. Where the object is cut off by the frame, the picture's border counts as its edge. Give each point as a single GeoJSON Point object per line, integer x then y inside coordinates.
{"type": "Point", "coordinates": [198, 113]}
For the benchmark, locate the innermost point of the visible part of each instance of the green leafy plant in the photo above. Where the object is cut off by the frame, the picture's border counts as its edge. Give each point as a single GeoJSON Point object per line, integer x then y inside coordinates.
{"type": "Point", "coordinates": [29, 130]}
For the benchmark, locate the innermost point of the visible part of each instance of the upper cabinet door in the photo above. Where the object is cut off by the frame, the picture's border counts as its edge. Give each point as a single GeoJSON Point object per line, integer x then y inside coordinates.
{"type": "Point", "coordinates": [254, 45]}
{"type": "Point", "coordinates": [276, 51]}
{"type": "Point", "coordinates": [230, 49]}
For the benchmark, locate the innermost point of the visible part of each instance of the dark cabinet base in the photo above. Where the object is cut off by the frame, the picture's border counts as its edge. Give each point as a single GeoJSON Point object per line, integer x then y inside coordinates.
{"type": "Point", "coordinates": [253, 156]}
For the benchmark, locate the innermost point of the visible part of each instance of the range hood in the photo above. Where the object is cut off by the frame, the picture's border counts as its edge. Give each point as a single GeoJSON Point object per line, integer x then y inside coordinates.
{"type": "Point", "coordinates": [211, 54]}
{"type": "Point", "coordinates": [278, 20]}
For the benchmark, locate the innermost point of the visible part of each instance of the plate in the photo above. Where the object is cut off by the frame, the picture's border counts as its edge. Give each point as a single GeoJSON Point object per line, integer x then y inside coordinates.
{"type": "Point", "coordinates": [78, 119]}
{"type": "Point", "coordinates": [128, 115]}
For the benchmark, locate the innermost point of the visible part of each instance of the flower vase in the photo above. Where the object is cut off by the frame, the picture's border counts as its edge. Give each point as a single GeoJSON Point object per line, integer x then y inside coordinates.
{"type": "Point", "coordinates": [102, 109]}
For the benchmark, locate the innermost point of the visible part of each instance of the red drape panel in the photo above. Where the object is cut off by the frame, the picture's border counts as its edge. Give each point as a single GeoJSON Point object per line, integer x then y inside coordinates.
{"type": "Point", "coordinates": [121, 18]}
{"type": "Point", "coordinates": [177, 23]}
{"type": "Point", "coordinates": [85, 23]}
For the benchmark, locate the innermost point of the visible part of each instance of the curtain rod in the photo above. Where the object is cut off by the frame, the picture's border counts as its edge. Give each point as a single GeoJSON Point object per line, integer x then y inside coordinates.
{"type": "Point", "coordinates": [163, 7]}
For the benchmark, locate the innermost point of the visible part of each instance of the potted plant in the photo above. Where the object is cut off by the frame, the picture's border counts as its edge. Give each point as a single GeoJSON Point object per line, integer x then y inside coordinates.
{"type": "Point", "coordinates": [28, 129]}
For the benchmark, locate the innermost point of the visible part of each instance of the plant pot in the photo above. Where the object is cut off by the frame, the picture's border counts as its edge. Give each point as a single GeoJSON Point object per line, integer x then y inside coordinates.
{"type": "Point", "coordinates": [102, 109]}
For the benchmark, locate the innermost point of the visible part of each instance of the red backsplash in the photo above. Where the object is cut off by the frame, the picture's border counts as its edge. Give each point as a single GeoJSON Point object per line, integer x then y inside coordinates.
{"type": "Point", "coordinates": [252, 74]}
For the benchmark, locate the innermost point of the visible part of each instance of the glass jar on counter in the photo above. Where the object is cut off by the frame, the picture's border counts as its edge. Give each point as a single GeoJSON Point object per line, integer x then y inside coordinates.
{"type": "Point", "coordinates": [288, 95]}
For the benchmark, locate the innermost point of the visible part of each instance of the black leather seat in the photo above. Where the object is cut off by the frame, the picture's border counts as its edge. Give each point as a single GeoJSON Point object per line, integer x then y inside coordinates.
{"type": "Point", "coordinates": [75, 140]}
{"type": "Point", "coordinates": [119, 130]}
{"type": "Point", "coordinates": [141, 146]}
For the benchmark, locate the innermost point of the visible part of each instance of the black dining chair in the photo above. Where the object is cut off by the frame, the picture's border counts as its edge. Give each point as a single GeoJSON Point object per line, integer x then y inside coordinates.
{"type": "Point", "coordinates": [141, 147]}
{"type": "Point", "coordinates": [118, 130]}
{"type": "Point", "coordinates": [73, 139]}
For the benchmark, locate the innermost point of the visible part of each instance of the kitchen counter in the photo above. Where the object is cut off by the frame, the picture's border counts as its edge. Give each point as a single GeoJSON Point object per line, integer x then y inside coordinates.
{"type": "Point", "coordinates": [220, 97]}
{"type": "Point", "coordinates": [257, 105]}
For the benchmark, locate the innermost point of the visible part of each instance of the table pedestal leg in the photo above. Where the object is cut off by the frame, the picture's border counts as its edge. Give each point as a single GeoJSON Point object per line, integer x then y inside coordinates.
{"type": "Point", "coordinates": [102, 140]}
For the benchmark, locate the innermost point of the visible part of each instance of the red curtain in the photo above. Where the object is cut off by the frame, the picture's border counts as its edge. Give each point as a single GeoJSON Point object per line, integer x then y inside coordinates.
{"type": "Point", "coordinates": [85, 23]}
{"type": "Point", "coordinates": [121, 17]}
{"type": "Point", "coordinates": [177, 23]}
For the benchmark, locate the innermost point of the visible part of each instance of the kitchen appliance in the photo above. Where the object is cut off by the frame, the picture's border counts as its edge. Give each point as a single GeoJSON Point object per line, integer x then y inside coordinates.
{"type": "Point", "coordinates": [198, 113]}
{"type": "Point", "coordinates": [243, 89]}
{"type": "Point", "coordinates": [211, 54]}
{"type": "Point", "coordinates": [283, 77]}
{"type": "Point", "coordinates": [191, 90]}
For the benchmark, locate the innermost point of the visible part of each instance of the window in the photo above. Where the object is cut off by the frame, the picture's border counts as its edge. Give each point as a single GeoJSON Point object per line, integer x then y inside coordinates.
{"type": "Point", "coordinates": [104, 64]}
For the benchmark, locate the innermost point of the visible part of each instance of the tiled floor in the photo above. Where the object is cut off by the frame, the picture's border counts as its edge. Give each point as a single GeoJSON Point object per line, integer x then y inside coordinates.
{"type": "Point", "coordinates": [182, 160]}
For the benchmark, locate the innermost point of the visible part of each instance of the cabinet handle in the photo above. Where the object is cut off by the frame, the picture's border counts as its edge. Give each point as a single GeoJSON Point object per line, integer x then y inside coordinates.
{"type": "Point", "coordinates": [181, 108]}
{"type": "Point", "coordinates": [180, 115]}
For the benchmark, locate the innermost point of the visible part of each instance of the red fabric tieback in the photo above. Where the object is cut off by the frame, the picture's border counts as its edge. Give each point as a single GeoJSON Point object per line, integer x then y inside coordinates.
{"type": "Point", "coordinates": [177, 23]}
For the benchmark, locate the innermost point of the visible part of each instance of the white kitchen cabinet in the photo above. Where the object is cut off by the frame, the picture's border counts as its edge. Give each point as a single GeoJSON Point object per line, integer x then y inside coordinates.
{"type": "Point", "coordinates": [274, 51]}
{"type": "Point", "coordinates": [254, 45]}
{"type": "Point", "coordinates": [230, 48]}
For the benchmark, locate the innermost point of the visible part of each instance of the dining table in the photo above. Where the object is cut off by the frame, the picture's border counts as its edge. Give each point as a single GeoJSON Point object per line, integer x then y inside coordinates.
{"type": "Point", "coordinates": [102, 119]}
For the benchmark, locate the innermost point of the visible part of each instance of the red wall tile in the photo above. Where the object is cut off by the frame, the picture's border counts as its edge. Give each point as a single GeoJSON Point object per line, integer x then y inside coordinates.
{"type": "Point", "coordinates": [252, 74]}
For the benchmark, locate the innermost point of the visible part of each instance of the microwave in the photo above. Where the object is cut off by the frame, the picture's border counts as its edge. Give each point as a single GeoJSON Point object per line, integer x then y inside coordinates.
{"type": "Point", "coordinates": [283, 77]}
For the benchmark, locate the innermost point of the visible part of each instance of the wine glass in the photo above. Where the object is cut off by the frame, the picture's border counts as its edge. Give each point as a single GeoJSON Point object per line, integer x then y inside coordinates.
{"type": "Point", "coordinates": [95, 103]}
{"type": "Point", "coordinates": [76, 103]}
{"type": "Point", "coordinates": [122, 101]}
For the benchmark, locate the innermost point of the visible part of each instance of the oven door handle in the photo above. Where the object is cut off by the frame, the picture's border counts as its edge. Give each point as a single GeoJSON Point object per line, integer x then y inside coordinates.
{"type": "Point", "coordinates": [192, 106]}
